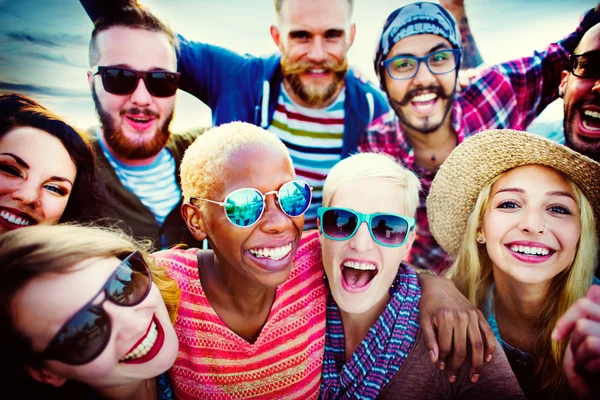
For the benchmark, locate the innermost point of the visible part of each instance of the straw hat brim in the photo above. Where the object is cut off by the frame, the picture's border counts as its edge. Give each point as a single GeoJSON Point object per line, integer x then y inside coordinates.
{"type": "Point", "coordinates": [479, 159]}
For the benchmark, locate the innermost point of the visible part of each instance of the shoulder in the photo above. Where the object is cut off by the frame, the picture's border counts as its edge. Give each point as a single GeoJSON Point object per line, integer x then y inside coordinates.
{"type": "Point", "coordinates": [176, 259]}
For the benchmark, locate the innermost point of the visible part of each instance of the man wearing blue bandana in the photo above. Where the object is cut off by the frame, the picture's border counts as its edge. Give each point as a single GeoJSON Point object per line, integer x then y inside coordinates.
{"type": "Point", "coordinates": [417, 62]}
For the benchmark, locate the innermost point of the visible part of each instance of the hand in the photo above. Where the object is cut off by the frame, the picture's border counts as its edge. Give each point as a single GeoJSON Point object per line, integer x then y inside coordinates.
{"type": "Point", "coordinates": [452, 3]}
{"type": "Point", "coordinates": [465, 78]}
{"type": "Point", "coordinates": [581, 362]}
{"type": "Point", "coordinates": [360, 75]}
{"type": "Point", "coordinates": [445, 310]}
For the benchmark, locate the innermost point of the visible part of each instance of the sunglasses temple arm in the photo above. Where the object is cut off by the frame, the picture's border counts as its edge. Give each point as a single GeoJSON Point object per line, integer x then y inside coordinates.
{"type": "Point", "coordinates": [220, 203]}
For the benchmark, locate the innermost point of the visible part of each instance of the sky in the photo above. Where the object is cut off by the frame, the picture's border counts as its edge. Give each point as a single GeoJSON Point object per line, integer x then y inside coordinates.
{"type": "Point", "coordinates": [44, 43]}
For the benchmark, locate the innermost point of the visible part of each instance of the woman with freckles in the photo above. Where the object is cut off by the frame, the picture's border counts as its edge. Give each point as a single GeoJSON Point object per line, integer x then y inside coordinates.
{"type": "Point", "coordinates": [520, 214]}
{"type": "Point", "coordinates": [46, 167]}
{"type": "Point", "coordinates": [251, 320]}
{"type": "Point", "coordinates": [374, 347]}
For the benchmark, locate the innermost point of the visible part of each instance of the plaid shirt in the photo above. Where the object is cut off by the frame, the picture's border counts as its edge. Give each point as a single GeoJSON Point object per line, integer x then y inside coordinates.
{"type": "Point", "coordinates": [508, 95]}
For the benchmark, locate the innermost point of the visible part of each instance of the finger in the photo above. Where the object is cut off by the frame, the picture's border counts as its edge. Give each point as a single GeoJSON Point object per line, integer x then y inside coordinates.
{"type": "Point", "coordinates": [594, 294]}
{"type": "Point", "coordinates": [430, 338]}
{"type": "Point", "coordinates": [477, 347]}
{"type": "Point", "coordinates": [489, 337]}
{"type": "Point", "coordinates": [588, 349]}
{"type": "Point", "coordinates": [583, 329]}
{"type": "Point", "coordinates": [459, 350]}
{"type": "Point", "coordinates": [582, 308]}
{"type": "Point", "coordinates": [592, 366]}
{"type": "Point", "coordinates": [445, 322]}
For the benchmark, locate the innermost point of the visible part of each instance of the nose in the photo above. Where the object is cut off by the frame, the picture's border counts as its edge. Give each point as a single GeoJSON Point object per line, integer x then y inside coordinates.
{"type": "Point", "coordinates": [423, 76]}
{"type": "Point", "coordinates": [532, 222]}
{"type": "Point", "coordinates": [362, 240]}
{"type": "Point", "coordinates": [274, 220]}
{"type": "Point", "coordinates": [28, 193]}
{"type": "Point", "coordinates": [596, 87]}
{"type": "Point", "coordinates": [317, 51]}
{"type": "Point", "coordinates": [140, 95]}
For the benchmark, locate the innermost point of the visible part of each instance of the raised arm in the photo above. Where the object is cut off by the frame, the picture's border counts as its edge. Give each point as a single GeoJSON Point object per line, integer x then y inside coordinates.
{"type": "Point", "coordinates": [471, 56]}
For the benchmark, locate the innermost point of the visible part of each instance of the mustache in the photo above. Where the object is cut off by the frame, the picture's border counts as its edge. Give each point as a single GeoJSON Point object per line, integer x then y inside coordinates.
{"type": "Point", "coordinates": [142, 111]}
{"type": "Point", "coordinates": [303, 66]}
{"type": "Point", "coordinates": [419, 90]}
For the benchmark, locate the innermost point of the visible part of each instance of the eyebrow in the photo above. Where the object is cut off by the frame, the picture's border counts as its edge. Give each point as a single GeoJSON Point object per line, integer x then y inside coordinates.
{"type": "Point", "coordinates": [18, 159]}
{"type": "Point", "coordinates": [551, 193]}
{"type": "Point", "coordinates": [23, 164]}
{"type": "Point", "coordinates": [126, 66]}
{"type": "Point", "coordinates": [439, 46]}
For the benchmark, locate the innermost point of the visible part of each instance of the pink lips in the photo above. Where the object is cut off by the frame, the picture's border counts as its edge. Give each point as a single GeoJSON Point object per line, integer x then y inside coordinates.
{"type": "Point", "coordinates": [17, 214]}
{"type": "Point", "coordinates": [355, 289]}
{"type": "Point", "coordinates": [527, 258]}
{"type": "Point", "coordinates": [589, 127]}
{"type": "Point", "coordinates": [138, 125]}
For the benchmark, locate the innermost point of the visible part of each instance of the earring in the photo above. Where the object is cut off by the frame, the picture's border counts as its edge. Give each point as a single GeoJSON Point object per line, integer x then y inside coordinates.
{"type": "Point", "coordinates": [480, 238]}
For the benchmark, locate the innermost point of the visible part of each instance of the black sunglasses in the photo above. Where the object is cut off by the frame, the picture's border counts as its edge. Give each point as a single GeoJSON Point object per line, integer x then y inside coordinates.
{"type": "Point", "coordinates": [586, 65]}
{"type": "Point", "coordinates": [87, 333]}
{"type": "Point", "coordinates": [122, 81]}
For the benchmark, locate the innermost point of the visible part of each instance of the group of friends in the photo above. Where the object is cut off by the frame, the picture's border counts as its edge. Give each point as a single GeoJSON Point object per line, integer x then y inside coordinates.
{"type": "Point", "coordinates": [454, 253]}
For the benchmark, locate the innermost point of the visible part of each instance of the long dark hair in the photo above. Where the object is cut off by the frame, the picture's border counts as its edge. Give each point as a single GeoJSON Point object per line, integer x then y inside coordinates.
{"type": "Point", "coordinates": [17, 110]}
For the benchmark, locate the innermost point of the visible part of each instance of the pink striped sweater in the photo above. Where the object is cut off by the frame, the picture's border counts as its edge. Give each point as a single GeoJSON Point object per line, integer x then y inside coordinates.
{"type": "Point", "coordinates": [284, 362]}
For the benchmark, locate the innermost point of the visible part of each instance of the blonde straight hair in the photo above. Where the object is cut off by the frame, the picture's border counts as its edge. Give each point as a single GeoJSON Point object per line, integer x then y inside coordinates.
{"type": "Point", "coordinates": [472, 275]}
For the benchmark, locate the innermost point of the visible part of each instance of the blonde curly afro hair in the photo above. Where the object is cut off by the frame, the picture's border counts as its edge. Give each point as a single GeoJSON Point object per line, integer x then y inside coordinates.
{"type": "Point", "coordinates": [205, 160]}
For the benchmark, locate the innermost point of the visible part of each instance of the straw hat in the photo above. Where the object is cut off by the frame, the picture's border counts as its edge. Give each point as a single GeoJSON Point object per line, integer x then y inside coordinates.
{"type": "Point", "coordinates": [479, 159]}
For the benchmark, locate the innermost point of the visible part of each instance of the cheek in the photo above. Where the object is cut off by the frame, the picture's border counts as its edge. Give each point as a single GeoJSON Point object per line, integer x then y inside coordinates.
{"type": "Point", "coordinates": [165, 106]}
{"type": "Point", "coordinates": [568, 236]}
{"type": "Point", "coordinates": [53, 208]}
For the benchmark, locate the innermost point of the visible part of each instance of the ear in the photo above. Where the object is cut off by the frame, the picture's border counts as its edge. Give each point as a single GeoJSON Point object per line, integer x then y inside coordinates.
{"type": "Point", "coordinates": [44, 376]}
{"type": "Point", "coordinates": [276, 35]}
{"type": "Point", "coordinates": [480, 237]}
{"type": "Point", "coordinates": [352, 34]}
{"type": "Point", "coordinates": [563, 83]}
{"type": "Point", "coordinates": [90, 78]}
{"type": "Point", "coordinates": [194, 220]}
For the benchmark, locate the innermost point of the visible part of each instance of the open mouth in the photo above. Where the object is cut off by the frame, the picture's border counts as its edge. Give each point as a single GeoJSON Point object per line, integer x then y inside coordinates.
{"type": "Point", "coordinates": [273, 253]}
{"type": "Point", "coordinates": [357, 275]}
{"type": "Point", "coordinates": [13, 221]}
{"type": "Point", "coordinates": [530, 253]}
{"type": "Point", "coordinates": [590, 121]}
{"type": "Point", "coordinates": [140, 122]}
{"type": "Point", "coordinates": [148, 346]}
{"type": "Point", "coordinates": [424, 102]}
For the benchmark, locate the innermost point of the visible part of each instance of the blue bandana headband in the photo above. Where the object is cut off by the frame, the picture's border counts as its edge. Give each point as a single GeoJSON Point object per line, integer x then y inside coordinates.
{"type": "Point", "coordinates": [415, 19]}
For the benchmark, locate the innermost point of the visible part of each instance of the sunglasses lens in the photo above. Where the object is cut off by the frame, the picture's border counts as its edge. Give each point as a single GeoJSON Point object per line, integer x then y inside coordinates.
{"type": "Point", "coordinates": [294, 198]}
{"type": "Point", "coordinates": [119, 81]}
{"type": "Point", "coordinates": [339, 224]}
{"type": "Point", "coordinates": [162, 84]}
{"type": "Point", "coordinates": [244, 207]}
{"type": "Point", "coordinates": [587, 65]}
{"type": "Point", "coordinates": [83, 338]}
{"type": "Point", "coordinates": [131, 282]}
{"type": "Point", "coordinates": [389, 229]}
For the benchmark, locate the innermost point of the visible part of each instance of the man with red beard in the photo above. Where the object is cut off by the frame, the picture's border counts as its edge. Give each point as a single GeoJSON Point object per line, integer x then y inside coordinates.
{"type": "Point", "coordinates": [133, 81]}
{"type": "Point", "coordinates": [303, 94]}
{"type": "Point", "coordinates": [580, 90]}
{"type": "Point", "coordinates": [417, 60]}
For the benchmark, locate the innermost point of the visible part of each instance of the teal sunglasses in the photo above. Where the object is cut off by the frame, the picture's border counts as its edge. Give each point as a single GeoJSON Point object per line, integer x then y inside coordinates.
{"type": "Point", "coordinates": [389, 230]}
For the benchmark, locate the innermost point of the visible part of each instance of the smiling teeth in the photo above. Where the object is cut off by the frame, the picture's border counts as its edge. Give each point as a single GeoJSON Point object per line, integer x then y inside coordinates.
{"type": "Point", "coordinates": [143, 348]}
{"type": "Point", "coordinates": [317, 71]}
{"type": "Point", "coordinates": [14, 220]}
{"type": "Point", "coordinates": [359, 265]}
{"type": "Point", "coordinates": [276, 253]}
{"type": "Point", "coordinates": [140, 119]}
{"type": "Point", "coordinates": [534, 251]}
{"type": "Point", "coordinates": [424, 97]}
{"type": "Point", "coordinates": [593, 114]}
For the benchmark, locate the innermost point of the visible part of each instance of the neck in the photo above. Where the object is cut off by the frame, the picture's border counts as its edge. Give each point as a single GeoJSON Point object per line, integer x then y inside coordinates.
{"type": "Point", "coordinates": [432, 149]}
{"type": "Point", "coordinates": [142, 390]}
{"type": "Point", "coordinates": [517, 307]}
{"type": "Point", "coordinates": [127, 161]}
{"type": "Point", "coordinates": [356, 326]}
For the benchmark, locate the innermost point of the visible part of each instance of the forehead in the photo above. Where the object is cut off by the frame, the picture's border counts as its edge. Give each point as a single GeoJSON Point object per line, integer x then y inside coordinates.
{"type": "Point", "coordinates": [135, 48]}
{"type": "Point", "coordinates": [314, 15]}
{"type": "Point", "coordinates": [419, 45]}
{"type": "Point", "coordinates": [259, 165]}
{"type": "Point", "coordinates": [533, 178]}
{"type": "Point", "coordinates": [590, 41]}
{"type": "Point", "coordinates": [370, 196]}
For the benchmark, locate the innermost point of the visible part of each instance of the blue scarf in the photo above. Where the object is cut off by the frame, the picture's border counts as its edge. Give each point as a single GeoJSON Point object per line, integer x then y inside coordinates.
{"type": "Point", "coordinates": [381, 353]}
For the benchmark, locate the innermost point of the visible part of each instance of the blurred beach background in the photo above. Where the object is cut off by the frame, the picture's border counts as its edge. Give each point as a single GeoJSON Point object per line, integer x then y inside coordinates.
{"type": "Point", "coordinates": [44, 43]}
